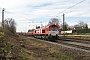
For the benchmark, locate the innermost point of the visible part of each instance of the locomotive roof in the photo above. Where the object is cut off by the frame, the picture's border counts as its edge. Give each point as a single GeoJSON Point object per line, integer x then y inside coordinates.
{"type": "Point", "coordinates": [47, 26]}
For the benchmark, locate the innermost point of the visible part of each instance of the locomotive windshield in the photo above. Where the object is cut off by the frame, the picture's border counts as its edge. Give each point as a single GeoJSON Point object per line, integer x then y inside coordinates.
{"type": "Point", "coordinates": [53, 29]}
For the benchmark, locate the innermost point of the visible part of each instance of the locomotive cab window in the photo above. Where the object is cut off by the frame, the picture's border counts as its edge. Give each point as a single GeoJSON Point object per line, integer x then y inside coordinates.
{"type": "Point", "coordinates": [43, 31]}
{"type": "Point", "coordinates": [55, 29]}
{"type": "Point", "coordinates": [35, 31]}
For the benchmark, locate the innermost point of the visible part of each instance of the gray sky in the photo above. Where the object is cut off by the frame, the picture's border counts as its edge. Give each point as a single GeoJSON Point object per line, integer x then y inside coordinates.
{"type": "Point", "coordinates": [29, 13]}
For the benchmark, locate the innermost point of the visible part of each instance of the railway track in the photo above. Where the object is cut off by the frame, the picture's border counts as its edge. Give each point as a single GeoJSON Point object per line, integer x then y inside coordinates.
{"type": "Point", "coordinates": [83, 45]}
{"type": "Point", "coordinates": [76, 40]}
{"type": "Point", "coordinates": [77, 45]}
{"type": "Point", "coordinates": [80, 45]}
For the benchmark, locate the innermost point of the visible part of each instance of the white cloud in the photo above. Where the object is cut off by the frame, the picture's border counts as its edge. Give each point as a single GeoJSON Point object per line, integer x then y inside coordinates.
{"type": "Point", "coordinates": [27, 10]}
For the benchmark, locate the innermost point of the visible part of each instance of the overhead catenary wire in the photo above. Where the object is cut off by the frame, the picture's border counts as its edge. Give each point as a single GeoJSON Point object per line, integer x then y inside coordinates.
{"type": "Point", "coordinates": [61, 11]}
{"type": "Point", "coordinates": [71, 7]}
{"type": "Point", "coordinates": [74, 5]}
{"type": "Point", "coordinates": [84, 12]}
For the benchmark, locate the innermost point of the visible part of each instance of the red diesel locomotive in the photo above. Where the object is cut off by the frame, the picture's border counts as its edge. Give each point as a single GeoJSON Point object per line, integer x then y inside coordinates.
{"type": "Point", "coordinates": [47, 32]}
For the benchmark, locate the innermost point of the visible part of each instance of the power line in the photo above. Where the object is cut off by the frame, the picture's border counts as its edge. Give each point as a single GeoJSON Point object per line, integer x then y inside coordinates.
{"type": "Point", "coordinates": [72, 6]}
{"type": "Point", "coordinates": [68, 8]}
{"type": "Point", "coordinates": [84, 12]}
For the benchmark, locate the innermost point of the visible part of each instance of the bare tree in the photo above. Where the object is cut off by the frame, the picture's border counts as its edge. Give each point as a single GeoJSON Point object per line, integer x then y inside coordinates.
{"type": "Point", "coordinates": [81, 25]}
{"type": "Point", "coordinates": [9, 24]}
{"type": "Point", "coordinates": [54, 21]}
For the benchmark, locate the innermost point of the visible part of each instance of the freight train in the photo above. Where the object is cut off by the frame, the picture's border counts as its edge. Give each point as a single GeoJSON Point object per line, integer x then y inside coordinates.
{"type": "Point", "coordinates": [49, 32]}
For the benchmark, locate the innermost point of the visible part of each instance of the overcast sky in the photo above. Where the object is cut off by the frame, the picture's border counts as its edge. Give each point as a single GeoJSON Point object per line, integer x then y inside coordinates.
{"type": "Point", "coordinates": [29, 13]}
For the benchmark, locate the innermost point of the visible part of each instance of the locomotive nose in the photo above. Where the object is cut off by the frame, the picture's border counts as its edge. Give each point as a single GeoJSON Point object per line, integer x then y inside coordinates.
{"type": "Point", "coordinates": [53, 33]}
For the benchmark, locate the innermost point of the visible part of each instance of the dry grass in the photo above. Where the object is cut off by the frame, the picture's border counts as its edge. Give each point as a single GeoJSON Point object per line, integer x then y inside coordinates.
{"type": "Point", "coordinates": [26, 49]}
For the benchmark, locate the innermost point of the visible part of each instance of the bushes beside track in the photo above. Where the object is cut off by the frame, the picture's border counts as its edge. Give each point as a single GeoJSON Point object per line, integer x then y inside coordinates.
{"type": "Point", "coordinates": [81, 31]}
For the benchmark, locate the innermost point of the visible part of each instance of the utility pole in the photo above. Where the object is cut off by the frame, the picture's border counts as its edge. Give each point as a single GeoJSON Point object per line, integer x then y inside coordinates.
{"type": "Point", "coordinates": [3, 18]}
{"type": "Point", "coordinates": [63, 21]}
{"type": "Point", "coordinates": [63, 25]}
{"type": "Point", "coordinates": [41, 24]}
